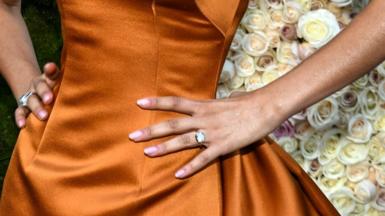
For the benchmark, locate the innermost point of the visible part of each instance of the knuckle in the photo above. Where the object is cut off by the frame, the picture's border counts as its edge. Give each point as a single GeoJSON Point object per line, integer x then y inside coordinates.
{"type": "Point", "coordinates": [172, 124]}
{"type": "Point", "coordinates": [185, 140]}
{"type": "Point", "coordinates": [175, 101]}
{"type": "Point", "coordinates": [147, 131]}
{"type": "Point", "coordinates": [36, 81]}
{"type": "Point", "coordinates": [203, 159]}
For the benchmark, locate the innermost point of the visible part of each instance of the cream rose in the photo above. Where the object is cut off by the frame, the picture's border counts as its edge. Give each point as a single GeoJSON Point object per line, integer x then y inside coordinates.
{"type": "Point", "coordinates": [365, 191]}
{"type": "Point", "coordinates": [291, 12]}
{"type": "Point", "coordinates": [323, 114]}
{"type": "Point", "coordinates": [310, 147]}
{"type": "Point", "coordinates": [318, 27]}
{"type": "Point", "coordinates": [352, 153]}
{"type": "Point", "coordinates": [357, 172]}
{"type": "Point", "coordinates": [255, 20]}
{"type": "Point", "coordinates": [253, 82]}
{"type": "Point", "coordinates": [343, 200]}
{"type": "Point", "coordinates": [287, 53]}
{"type": "Point", "coordinates": [244, 65]}
{"type": "Point", "coordinates": [359, 129]}
{"type": "Point", "coordinates": [256, 43]}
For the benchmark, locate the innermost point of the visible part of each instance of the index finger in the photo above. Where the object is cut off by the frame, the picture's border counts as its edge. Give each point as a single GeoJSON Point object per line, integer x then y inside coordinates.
{"type": "Point", "coordinates": [171, 103]}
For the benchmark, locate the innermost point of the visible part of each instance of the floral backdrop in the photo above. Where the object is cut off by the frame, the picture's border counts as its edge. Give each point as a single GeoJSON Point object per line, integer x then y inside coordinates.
{"type": "Point", "coordinates": [339, 141]}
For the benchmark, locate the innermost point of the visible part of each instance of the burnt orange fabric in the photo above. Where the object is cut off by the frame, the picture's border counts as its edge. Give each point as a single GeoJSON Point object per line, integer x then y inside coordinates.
{"type": "Point", "coordinates": [81, 162]}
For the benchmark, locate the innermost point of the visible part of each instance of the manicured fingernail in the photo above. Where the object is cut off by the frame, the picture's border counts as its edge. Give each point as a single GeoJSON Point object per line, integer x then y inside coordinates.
{"type": "Point", "coordinates": [46, 97]}
{"type": "Point", "coordinates": [180, 173]}
{"type": "Point", "coordinates": [150, 150]}
{"type": "Point", "coordinates": [42, 114]}
{"type": "Point", "coordinates": [135, 134]}
{"type": "Point", "coordinates": [143, 102]}
{"type": "Point", "coordinates": [20, 123]}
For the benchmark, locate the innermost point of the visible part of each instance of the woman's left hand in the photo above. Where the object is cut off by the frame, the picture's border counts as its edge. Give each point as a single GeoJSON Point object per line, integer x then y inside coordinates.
{"type": "Point", "coordinates": [228, 124]}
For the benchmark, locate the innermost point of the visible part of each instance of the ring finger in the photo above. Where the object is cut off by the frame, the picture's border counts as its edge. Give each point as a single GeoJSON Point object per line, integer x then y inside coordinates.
{"type": "Point", "coordinates": [180, 142]}
{"type": "Point", "coordinates": [36, 107]}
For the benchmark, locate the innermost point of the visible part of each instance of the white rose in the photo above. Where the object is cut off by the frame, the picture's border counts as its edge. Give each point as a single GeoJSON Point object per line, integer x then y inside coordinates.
{"type": "Point", "coordinates": [310, 148]}
{"type": "Point", "coordinates": [365, 191]}
{"type": "Point", "coordinates": [303, 130]}
{"type": "Point", "coordinates": [244, 65]}
{"type": "Point", "coordinates": [343, 200]}
{"type": "Point", "coordinates": [381, 68]}
{"type": "Point", "coordinates": [357, 172]}
{"type": "Point", "coordinates": [333, 170]}
{"type": "Point", "coordinates": [348, 100]}
{"type": "Point", "coordinates": [255, 20]}
{"type": "Point", "coordinates": [352, 153]}
{"type": "Point", "coordinates": [256, 43]}
{"type": "Point", "coordinates": [377, 148]}
{"type": "Point", "coordinates": [375, 78]}
{"type": "Point", "coordinates": [253, 82]}
{"type": "Point", "coordinates": [362, 82]}
{"type": "Point", "coordinates": [328, 185]}
{"type": "Point", "coordinates": [291, 12]}
{"type": "Point", "coordinates": [265, 61]}
{"type": "Point", "coordinates": [323, 114]}
{"type": "Point", "coordinates": [368, 101]}
{"type": "Point", "coordinates": [379, 203]}
{"type": "Point", "coordinates": [330, 145]}
{"type": "Point", "coordinates": [269, 76]}
{"type": "Point", "coordinates": [318, 27]}
{"type": "Point", "coordinates": [359, 129]}
{"type": "Point", "coordinates": [274, 37]}
{"type": "Point", "coordinates": [289, 144]}
{"type": "Point", "coordinates": [287, 53]}
{"type": "Point", "coordinates": [284, 68]}
{"type": "Point", "coordinates": [276, 17]}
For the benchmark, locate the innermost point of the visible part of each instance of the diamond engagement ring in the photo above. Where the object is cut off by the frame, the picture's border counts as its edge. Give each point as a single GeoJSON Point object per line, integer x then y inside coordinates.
{"type": "Point", "coordinates": [22, 101]}
{"type": "Point", "coordinates": [200, 137]}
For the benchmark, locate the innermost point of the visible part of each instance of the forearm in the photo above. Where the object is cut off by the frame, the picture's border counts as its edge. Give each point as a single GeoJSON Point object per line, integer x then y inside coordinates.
{"type": "Point", "coordinates": [18, 64]}
{"type": "Point", "coordinates": [351, 54]}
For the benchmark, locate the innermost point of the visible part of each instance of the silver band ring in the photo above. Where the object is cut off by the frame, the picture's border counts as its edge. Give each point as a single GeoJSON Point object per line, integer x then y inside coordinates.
{"type": "Point", "coordinates": [22, 101]}
{"type": "Point", "coordinates": [200, 137]}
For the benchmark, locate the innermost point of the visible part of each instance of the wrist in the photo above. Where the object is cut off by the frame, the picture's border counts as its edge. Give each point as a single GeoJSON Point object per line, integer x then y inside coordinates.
{"type": "Point", "coordinates": [277, 105]}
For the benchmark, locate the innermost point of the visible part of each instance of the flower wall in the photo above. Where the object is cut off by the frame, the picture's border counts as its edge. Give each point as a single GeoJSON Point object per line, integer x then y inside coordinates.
{"type": "Point", "coordinates": [339, 141]}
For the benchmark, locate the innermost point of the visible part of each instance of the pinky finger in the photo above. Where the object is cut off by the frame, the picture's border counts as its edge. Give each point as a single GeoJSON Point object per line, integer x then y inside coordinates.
{"type": "Point", "coordinates": [21, 113]}
{"type": "Point", "coordinates": [200, 161]}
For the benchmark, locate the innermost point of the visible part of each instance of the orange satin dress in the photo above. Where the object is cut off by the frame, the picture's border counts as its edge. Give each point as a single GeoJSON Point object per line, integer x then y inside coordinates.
{"type": "Point", "coordinates": [81, 162]}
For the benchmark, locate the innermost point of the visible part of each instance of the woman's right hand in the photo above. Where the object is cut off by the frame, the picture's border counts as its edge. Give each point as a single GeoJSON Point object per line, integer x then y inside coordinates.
{"type": "Point", "coordinates": [43, 86]}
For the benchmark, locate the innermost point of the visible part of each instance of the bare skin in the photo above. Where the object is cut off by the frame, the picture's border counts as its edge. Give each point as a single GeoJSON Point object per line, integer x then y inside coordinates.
{"type": "Point", "coordinates": [253, 115]}
{"type": "Point", "coordinates": [350, 55]}
{"type": "Point", "coordinates": [18, 64]}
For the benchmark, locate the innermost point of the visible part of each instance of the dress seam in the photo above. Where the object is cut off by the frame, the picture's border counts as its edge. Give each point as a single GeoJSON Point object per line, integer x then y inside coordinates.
{"type": "Point", "coordinates": [152, 114]}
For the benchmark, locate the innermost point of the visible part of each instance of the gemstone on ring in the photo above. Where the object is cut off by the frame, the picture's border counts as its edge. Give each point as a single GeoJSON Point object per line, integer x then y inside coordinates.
{"type": "Point", "coordinates": [200, 137]}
